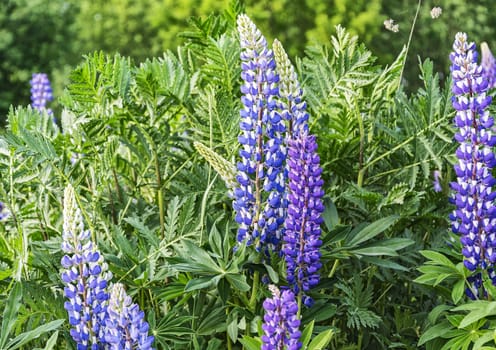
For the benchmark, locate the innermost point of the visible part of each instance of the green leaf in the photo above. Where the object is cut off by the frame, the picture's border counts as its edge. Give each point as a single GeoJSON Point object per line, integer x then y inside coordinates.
{"type": "Point", "coordinates": [372, 230]}
{"type": "Point", "coordinates": [273, 275]}
{"type": "Point", "coordinates": [26, 337]}
{"type": "Point", "coordinates": [232, 326]}
{"type": "Point", "coordinates": [10, 313]}
{"type": "Point", "coordinates": [321, 340]}
{"type": "Point", "coordinates": [251, 343]}
{"type": "Point", "coordinates": [201, 283]}
{"type": "Point", "coordinates": [481, 310]}
{"type": "Point", "coordinates": [384, 263]}
{"type": "Point", "coordinates": [330, 214]}
{"type": "Point", "coordinates": [375, 251]}
{"type": "Point", "coordinates": [458, 291]}
{"type": "Point", "coordinates": [435, 331]}
{"type": "Point", "coordinates": [306, 335]}
{"type": "Point", "coordinates": [52, 341]}
{"type": "Point", "coordinates": [238, 281]}
{"type": "Point", "coordinates": [437, 258]}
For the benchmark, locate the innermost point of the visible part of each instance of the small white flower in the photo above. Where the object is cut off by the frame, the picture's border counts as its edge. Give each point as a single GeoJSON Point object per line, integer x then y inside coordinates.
{"type": "Point", "coordinates": [436, 12]}
{"type": "Point", "coordinates": [389, 25]}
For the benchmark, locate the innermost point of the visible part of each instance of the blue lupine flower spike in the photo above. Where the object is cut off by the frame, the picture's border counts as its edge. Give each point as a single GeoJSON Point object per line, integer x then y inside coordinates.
{"type": "Point", "coordinates": [302, 234]}
{"type": "Point", "coordinates": [85, 277]}
{"type": "Point", "coordinates": [125, 325]}
{"type": "Point", "coordinates": [281, 323]}
{"type": "Point", "coordinates": [41, 92]}
{"type": "Point", "coordinates": [474, 218]}
{"type": "Point", "coordinates": [261, 169]}
{"type": "Point", "coordinates": [488, 63]}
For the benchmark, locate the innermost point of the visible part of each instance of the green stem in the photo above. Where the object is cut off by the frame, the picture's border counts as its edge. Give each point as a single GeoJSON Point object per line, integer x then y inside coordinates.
{"type": "Point", "coordinates": [362, 145]}
{"type": "Point", "coordinates": [254, 291]}
{"type": "Point", "coordinates": [397, 147]}
{"type": "Point", "coordinates": [360, 340]}
{"type": "Point", "coordinates": [299, 299]}
{"type": "Point", "coordinates": [160, 198]}
{"type": "Point", "coordinates": [410, 38]}
{"type": "Point", "coordinates": [334, 267]}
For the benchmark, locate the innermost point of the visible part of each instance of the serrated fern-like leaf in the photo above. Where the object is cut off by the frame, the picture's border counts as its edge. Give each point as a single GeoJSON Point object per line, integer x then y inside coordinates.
{"type": "Point", "coordinates": [388, 82]}
{"type": "Point", "coordinates": [337, 75]}
{"type": "Point", "coordinates": [357, 300]}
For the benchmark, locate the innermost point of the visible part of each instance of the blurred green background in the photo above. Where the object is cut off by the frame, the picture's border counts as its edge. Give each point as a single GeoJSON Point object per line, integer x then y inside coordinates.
{"type": "Point", "coordinates": [52, 35]}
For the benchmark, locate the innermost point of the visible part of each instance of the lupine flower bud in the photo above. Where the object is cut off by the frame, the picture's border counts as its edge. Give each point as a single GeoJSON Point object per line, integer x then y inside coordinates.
{"type": "Point", "coordinates": [125, 325]}
{"type": "Point", "coordinates": [41, 92]}
{"type": "Point", "coordinates": [488, 63]}
{"type": "Point", "coordinates": [222, 166]}
{"type": "Point", "coordinates": [261, 169]}
{"type": "Point", "coordinates": [475, 217]}
{"type": "Point", "coordinates": [85, 277]}
{"type": "Point", "coordinates": [281, 323]}
{"type": "Point", "coordinates": [302, 234]}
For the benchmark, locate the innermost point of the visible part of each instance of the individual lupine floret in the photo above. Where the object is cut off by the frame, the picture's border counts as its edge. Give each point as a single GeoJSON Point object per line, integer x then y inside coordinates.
{"type": "Point", "coordinates": [488, 63]}
{"type": "Point", "coordinates": [475, 216]}
{"type": "Point", "coordinates": [4, 213]}
{"type": "Point", "coordinates": [302, 225]}
{"type": "Point", "coordinates": [262, 152]}
{"type": "Point", "coordinates": [85, 277]}
{"type": "Point", "coordinates": [293, 108]}
{"type": "Point", "coordinates": [125, 326]}
{"type": "Point", "coordinates": [281, 323]}
{"type": "Point", "coordinates": [41, 92]}
{"type": "Point", "coordinates": [436, 184]}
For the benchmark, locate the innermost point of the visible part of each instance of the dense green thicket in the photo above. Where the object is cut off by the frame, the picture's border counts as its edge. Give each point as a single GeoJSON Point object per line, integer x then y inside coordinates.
{"type": "Point", "coordinates": [52, 35]}
{"type": "Point", "coordinates": [164, 222]}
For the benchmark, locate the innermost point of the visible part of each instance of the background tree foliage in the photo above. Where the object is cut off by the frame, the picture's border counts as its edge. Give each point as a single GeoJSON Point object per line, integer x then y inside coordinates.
{"type": "Point", "coordinates": [52, 35]}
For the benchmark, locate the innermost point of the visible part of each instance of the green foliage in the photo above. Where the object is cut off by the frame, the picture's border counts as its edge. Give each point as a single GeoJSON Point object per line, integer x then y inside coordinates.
{"type": "Point", "coordinates": [162, 216]}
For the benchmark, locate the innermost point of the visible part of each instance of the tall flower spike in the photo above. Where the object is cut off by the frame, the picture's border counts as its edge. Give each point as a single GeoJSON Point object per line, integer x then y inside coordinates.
{"type": "Point", "coordinates": [261, 169]}
{"type": "Point", "coordinates": [85, 277]}
{"type": "Point", "coordinates": [302, 234]}
{"type": "Point", "coordinates": [488, 64]}
{"type": "Point", "coordinates": [475, 216]}
{"type": "Point", "coordinates": [41, 92]}
{"type": "Point", "coordinates": [125, 325]}
{"type": "Point", "coordinates": [281, 323]}
{"type": "Point", "coordinates": [292, 105]}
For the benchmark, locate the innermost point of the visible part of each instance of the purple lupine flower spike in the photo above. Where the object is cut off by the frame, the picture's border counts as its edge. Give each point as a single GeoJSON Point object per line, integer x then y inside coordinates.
{"type": "Point", "coordinates": [262, 152]}
{"type": "Point", "coordinates": [475, 217]}
{"type": "Point", "coordinates": [125, 325]}
{"type": "Point", "coordinates": [281, 323]}
{"type": "Point", "coordinates": [488, 63]}
{"type": "Point", "coordinates": [302, 234]}
{"type": "Point", "coordinates": [85, 277]}
{"type": "Point", "coordinates": [41, 92]}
